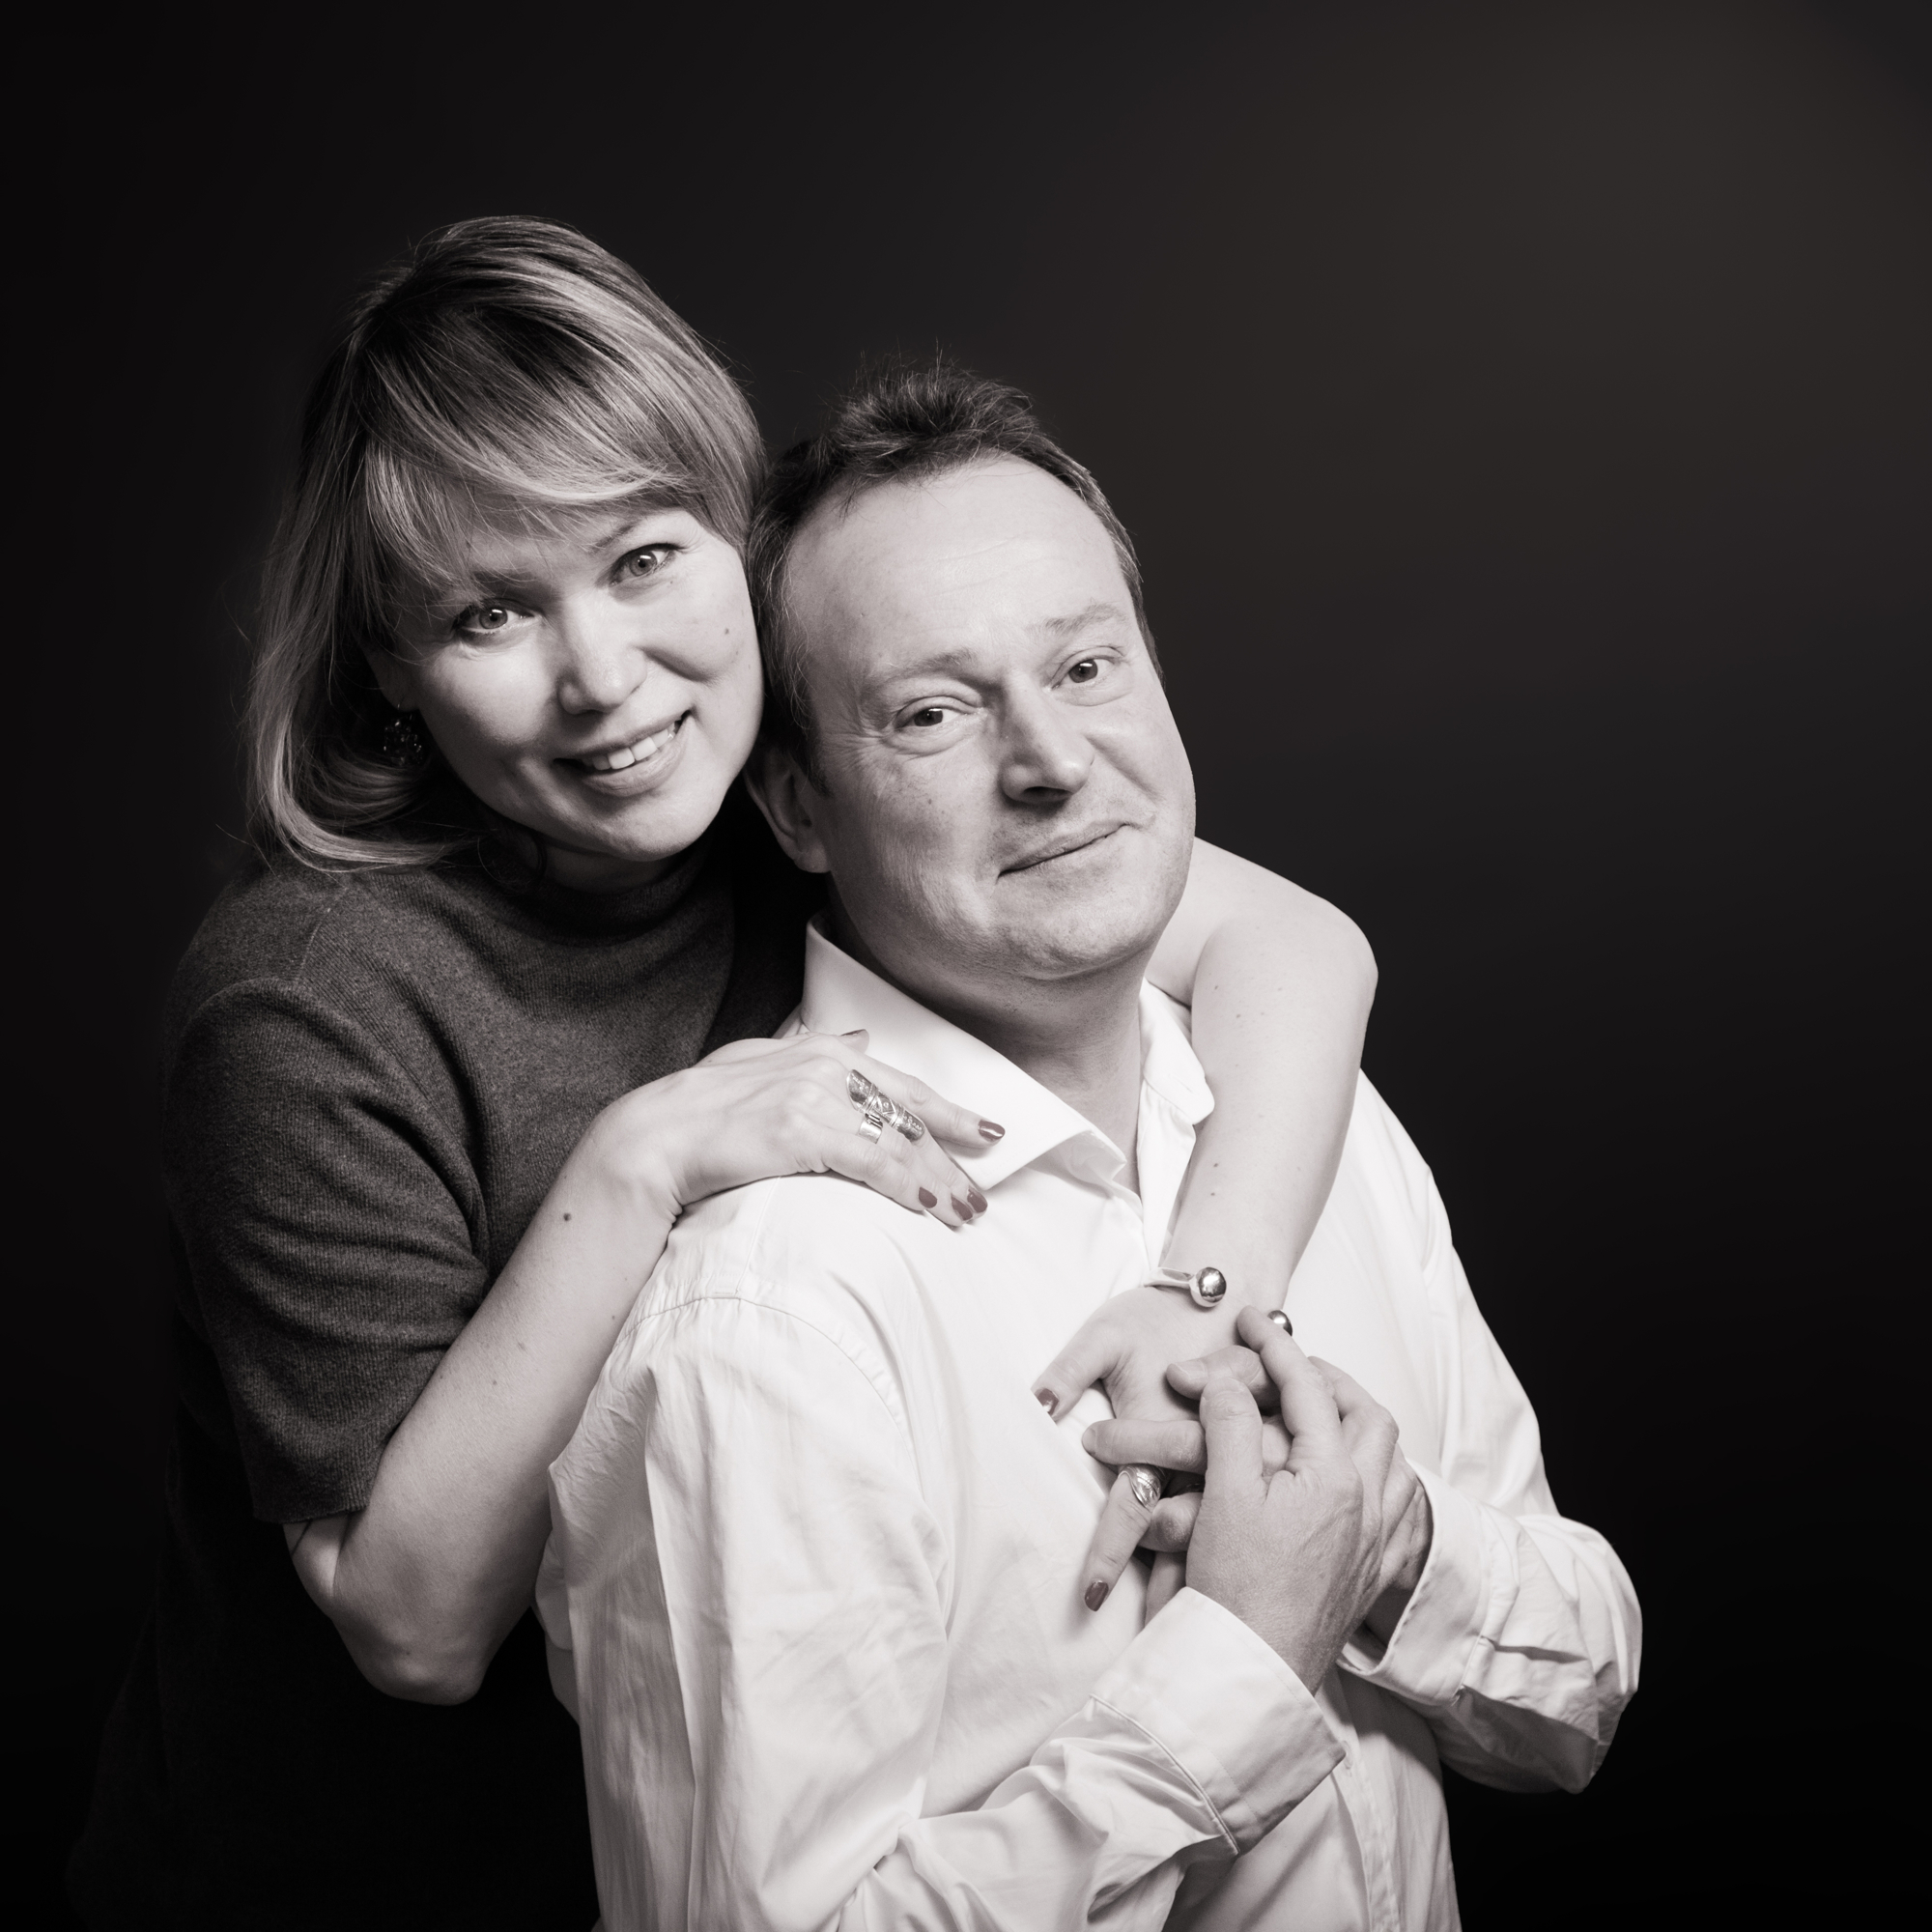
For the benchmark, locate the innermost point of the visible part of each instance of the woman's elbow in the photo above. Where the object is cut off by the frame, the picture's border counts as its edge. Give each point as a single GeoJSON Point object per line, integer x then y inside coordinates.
{"type": "Point", "coordinates": [1317, 924]}
{"type": "Point", "coordinates": [403, 1644]}
{"type": "Point", "coordinates": [414, 1671]}
{"type": "Point", "coordinates": [1360, 954]}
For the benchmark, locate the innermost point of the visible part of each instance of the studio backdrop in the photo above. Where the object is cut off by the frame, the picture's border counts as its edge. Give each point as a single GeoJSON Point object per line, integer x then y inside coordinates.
{"type": "Point", "coordinates": [1525, 413]}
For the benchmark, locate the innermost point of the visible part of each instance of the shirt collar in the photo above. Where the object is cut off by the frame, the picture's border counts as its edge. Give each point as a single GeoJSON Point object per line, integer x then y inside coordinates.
{"type": "Point", "coordinates": [840, 994]}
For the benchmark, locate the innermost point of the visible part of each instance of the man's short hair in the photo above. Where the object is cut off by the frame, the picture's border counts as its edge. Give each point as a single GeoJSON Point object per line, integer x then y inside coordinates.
{"type": "Point", "coordinates": [908, 419]}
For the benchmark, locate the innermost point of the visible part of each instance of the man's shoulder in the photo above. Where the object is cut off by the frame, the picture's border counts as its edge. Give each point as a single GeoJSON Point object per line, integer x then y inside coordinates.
{"type": "Point", "coordinates": [1383, 1175]}
{"type": "Point", "coordinates": [811, 1251]}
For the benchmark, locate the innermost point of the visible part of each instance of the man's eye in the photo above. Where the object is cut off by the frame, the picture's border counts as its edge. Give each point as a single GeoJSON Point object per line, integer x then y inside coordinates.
{"type": "Point", "coordinates": [480, 620]}
{"type": "Point", "coordinates": [1086, 671]}
{"type": "Point", "coordinates": [927, 717]}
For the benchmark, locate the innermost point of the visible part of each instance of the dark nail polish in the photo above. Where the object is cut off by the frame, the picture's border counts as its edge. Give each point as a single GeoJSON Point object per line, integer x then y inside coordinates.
{"type": "Point", "coordinates": [1047, 1400]}
{"type": "Point", "coordinates": [977, 1199]}
{"type": "Point", "coordinates": [927, 1198]}
{"type": "Point", "coordinates": [960, 1209]}
{"type": "Point", "coordinates": [1097, 1594]}
{"type": "Point", "coordinates": [991, 1130]}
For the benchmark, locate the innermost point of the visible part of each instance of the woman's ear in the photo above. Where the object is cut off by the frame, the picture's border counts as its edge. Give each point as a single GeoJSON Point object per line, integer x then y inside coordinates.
{"type": "Point", "coordinates": [395, 678]}
{"type": "Point", "coordinates": [793, 808]}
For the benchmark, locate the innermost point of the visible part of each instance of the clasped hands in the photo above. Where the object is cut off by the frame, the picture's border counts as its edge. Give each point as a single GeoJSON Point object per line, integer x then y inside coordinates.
{"type": "Point", "coordinates": [1308, 1523]}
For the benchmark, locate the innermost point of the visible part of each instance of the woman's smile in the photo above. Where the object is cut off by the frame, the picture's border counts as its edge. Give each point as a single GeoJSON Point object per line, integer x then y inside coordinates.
{"type": "Point", "coordinates": [636, 753]}
{"type": "Point", "coordinates": [628, 771]}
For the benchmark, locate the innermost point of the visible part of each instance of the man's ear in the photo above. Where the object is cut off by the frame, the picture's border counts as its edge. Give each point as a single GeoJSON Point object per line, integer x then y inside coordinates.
{"type": "Point", "coordinates": [793, 808]}
{"type": "Point", "coordinates": [395, 678]}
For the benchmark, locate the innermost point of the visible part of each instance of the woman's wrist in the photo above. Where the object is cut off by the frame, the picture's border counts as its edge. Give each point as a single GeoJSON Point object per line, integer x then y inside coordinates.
{"type": "Point", "coordinates": [1253, 1280]}
{"type": "Point", "coordinates": [626, 1161]}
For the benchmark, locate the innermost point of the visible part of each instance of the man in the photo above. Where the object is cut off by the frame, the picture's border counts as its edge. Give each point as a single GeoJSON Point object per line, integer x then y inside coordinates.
{"type": "Point", "coordinates": [817, 1547]}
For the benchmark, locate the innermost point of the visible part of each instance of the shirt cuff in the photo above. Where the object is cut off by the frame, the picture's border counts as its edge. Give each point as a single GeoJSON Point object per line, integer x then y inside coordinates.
{"type": "Point", "coordinates": [1426, 1660]}
{"type": "Point", "coordinates": [1235, 1718]}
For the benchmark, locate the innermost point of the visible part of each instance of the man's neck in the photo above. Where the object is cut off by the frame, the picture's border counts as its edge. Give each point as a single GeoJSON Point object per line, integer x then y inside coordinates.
{"type": "Point", "coordinates": [1080, 1038]}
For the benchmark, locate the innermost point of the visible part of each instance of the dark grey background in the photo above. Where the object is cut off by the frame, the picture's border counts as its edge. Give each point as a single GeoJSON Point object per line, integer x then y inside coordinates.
{"type": "Point", "coordinates": [1526, 414]}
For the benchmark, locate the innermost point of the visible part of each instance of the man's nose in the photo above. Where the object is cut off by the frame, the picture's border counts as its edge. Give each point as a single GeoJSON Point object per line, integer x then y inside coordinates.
{"type": "Point", "coordinates": [600, 652]}
{"type": "Point", "coordinates": [1044, 755]}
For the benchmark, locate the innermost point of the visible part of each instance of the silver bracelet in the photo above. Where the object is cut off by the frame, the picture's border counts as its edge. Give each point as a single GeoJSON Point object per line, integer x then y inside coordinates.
{"type": "Point", "coordinates": [1209, 1286]}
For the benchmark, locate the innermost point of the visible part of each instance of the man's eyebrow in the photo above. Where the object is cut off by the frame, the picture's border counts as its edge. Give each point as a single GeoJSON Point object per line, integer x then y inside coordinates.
{"type": "Point", "coordinates": [1099, 611]}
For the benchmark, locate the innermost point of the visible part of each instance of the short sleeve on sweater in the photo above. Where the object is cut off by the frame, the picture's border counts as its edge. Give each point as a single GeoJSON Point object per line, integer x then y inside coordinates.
{"type": "Point", "coordinates": [334, 1231]}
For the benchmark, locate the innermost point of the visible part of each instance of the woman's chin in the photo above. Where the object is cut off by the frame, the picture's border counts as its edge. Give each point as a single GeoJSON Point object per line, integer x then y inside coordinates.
{"type": "Point", "coordinates": [630, 847]}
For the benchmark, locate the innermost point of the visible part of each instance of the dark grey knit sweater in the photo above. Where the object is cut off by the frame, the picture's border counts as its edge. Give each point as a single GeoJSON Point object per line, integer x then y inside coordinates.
{"type": "Point", "coordinates": [370, 1083]}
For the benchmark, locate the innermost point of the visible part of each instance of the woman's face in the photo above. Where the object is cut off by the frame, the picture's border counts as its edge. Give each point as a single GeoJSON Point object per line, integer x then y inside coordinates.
{"type": "Point", "coordinates": [600, 687]}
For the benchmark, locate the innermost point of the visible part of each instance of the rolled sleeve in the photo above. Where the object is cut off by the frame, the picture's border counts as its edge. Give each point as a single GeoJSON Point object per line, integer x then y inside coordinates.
{"type": "Point", "coordinates": [1239, 1723]}
{"type": "Point", "coordinates": [1519, 1644]}
{"type": "Point", "coordinates": [1426, 1661]}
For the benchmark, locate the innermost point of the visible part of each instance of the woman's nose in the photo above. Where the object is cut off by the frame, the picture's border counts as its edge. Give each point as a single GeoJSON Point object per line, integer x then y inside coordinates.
{"type": "Point", "coordinates": [601, 657]}
{"type": "Point", "coordinates": [1044, 753]}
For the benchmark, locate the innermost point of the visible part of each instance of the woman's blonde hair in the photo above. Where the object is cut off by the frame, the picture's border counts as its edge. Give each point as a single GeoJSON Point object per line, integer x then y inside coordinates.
{"type": "Point", "coordinates": [507, 367]}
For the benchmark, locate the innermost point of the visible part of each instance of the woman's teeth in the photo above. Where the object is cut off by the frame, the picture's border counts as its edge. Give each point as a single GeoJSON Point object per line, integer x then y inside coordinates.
{"type": "Point", "coordinates": [626, 755]}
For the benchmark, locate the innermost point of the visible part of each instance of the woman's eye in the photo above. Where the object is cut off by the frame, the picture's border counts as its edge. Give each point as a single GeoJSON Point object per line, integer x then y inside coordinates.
{"type": "Point", "coordinates": [1085, 671]}
{"type": "Point", "coordinates": [645, 562]}
{"type": "Point", "coordinates": [482, 619]}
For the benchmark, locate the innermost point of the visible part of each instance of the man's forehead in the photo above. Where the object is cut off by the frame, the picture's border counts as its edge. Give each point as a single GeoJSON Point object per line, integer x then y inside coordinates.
{"type": "Point", "coordinates": [931, 566]}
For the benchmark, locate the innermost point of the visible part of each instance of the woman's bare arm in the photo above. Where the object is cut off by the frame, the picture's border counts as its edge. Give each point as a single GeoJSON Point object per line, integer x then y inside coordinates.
{"type": "Point", "coordinates": [428, 1579]}
{"type": "Point", "coordinates": [1280, 983]}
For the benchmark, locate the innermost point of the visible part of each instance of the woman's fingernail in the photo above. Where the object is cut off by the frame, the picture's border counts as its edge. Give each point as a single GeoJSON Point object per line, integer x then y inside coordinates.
{"type": "Point", "coordinates": [991, 1130]}
{"type": "Point", "coordinates": [927, 1198]}
{"type": "Point", "coordinates": [1097, 1594]}
{"type": "Point", "coordinates": [977, 1199]}
{"type": "Point", "coordinates": [856, 1032]}
{"type": "Point", "coordinates": [1046, 1399]}
{"type": "Point", "coordinates": [960, 1209]}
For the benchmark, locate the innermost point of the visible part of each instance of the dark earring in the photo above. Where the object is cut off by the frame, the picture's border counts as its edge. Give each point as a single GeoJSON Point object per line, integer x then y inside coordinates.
{"type": "Point", "coordinates": [404, 745]}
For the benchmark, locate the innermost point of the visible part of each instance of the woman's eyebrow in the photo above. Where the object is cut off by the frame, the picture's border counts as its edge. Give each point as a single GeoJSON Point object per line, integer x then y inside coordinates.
{"type": "Point", "coordinates": [621, 525]}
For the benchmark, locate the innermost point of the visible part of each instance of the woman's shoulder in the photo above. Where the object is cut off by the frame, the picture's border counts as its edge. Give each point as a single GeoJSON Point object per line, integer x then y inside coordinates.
{"type": "Point", "coordinates": [279, 925]}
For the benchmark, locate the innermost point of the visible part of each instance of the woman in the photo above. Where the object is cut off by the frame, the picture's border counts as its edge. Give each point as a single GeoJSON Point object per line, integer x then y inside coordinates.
{"type": "Point", "coordinates": [441, 1072]}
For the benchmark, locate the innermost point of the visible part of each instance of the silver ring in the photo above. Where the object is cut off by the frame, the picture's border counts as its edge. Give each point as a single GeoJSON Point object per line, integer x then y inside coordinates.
{"type": "Point", "coordinates": [1144, 1483]}
{"type": "Point", "coordinates": [1279, 1317]}
{"type": "Point", "coordinates": [873, 1126]}
{"type": "Point", "coordinates": [870, 1098]}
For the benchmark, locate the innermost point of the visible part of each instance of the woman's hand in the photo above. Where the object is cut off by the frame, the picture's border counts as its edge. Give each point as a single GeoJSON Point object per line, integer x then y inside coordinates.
{"type": "Point", "coordinates": [427, 1581]}
{"type": "Point", "coordinates": [1181, 1448]}
{"type": "Point", "coordinates": [1127, 1345]}
{"type": "Point", "coordinates": [764, 1107]}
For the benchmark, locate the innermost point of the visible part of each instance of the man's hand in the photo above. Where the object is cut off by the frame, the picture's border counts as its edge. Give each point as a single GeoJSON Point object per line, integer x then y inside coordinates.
{"type": "Point", "coordinates": [1180, 1447]}
{"type": "Point", "coordinates": [1303, 1554]}
{"type": "Point", "coordinates": [1408, 1522]}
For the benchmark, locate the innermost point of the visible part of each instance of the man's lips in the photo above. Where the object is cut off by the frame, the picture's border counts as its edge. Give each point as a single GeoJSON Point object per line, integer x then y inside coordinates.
{"type": "Point", "coordinates": [1061, 848]}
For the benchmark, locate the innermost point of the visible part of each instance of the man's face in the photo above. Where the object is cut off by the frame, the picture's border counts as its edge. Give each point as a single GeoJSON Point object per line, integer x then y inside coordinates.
{"type": "Point", "coordinates": [1008, 798]}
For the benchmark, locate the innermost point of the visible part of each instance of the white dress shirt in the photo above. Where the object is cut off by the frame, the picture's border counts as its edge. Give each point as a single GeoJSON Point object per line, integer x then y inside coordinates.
{"type": "Point", "coordinates": [816, 1548]}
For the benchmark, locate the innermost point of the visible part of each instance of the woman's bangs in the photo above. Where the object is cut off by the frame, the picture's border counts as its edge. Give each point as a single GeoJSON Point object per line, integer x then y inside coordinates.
{"type": "Point", "coordinates": [422, 522]}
